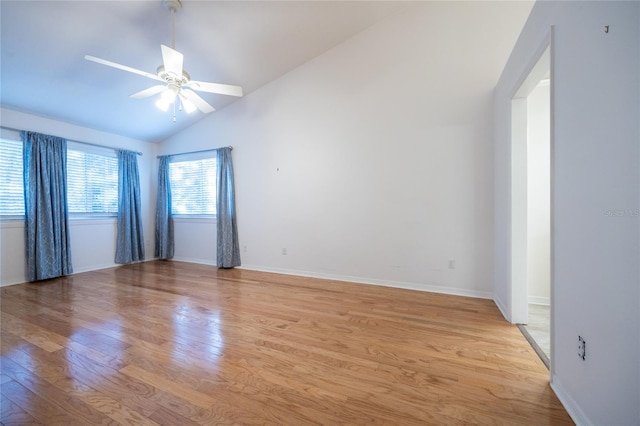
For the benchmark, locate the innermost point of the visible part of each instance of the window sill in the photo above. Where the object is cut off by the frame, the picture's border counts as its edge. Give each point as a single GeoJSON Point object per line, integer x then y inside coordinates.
{"type": "Point", "coordinates": [92, 220]}
{"type": "Point", "coordinates": [13, 222]}
{"type": "Point", "coordinates": [194, 219]}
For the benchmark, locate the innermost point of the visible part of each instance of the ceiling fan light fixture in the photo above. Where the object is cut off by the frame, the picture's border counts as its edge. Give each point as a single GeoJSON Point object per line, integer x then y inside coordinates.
{"type": "Point", "coordinates": [169, 95]}
{"type": "Point", "coordinates": [163, 104]}
{"type": "Point", "coordinates": [175, 81]}
{"type": "Point", "coordinates": [189, 107]}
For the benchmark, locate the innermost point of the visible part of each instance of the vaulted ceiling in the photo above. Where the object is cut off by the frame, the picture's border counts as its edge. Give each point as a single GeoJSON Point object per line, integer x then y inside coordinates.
{"type": "Point", "coordinates": [246, 43]}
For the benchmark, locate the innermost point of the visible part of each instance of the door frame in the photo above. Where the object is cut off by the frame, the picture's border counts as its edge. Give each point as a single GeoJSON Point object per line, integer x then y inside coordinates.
{"type": "Point", "coordinates": [540, 64]}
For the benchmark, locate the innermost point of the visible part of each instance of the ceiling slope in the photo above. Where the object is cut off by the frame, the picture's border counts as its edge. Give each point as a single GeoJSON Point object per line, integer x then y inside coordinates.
{"type": "Point", "coordinates": [43, 70]}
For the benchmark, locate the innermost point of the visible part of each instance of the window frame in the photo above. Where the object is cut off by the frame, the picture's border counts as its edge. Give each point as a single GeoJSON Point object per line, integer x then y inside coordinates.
{"type": "Point", "coordinates": [92, 150]}
{"type": "Point", "coordinates": [7, 135]}
{"type": "Point", "coordinates": [14, 136]}
{"type": "Point", "coordinates": [183, 158]}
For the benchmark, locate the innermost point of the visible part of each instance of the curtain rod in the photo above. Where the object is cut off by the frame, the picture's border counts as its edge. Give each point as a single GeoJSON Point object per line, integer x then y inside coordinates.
{"type": "Point", "coordinates": [71, 140]}
{"type": "Point", "coordinates": [102, 146]}
{"type": "Point", "coordinates": [195, 152]}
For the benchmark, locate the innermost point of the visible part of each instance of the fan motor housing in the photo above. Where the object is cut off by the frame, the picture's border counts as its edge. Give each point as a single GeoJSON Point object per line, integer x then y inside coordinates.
{"type": "Point", "coordinates": [172, 78]}
{"type": "Point", "coordinates": [172, 5]}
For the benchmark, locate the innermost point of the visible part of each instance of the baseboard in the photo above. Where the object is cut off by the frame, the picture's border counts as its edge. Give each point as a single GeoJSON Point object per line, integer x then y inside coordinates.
{"type": "Point", "coordinates": [193, 260]}
{"type": "Point", "coordinates": [370, 281]}
{"type": "Point", "coordinates": [573, 408]}
{"type": "Point", "coordinates": [94, 268]}
{"type": "Point", "coordinates": [107, 266]}
{"type": "Point", "coordinates": [12, 281]}
{"type": "Point", "coordinates": [537, 300]}
{"type": "Point", "coordinates": [344, 278]}
{"type": "Point", "coordinates": [75, 271]}
{"type": "Point", "coordinates": [502, 308]}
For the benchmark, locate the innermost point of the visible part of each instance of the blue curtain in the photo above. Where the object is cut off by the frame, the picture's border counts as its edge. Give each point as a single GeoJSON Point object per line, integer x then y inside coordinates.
{"type": "Point", "coordinates": [47, 238]}
{"type": "Point", "coordinates": [228, 248]}
{"type": "Point", "coordinates": [164, 222]}
{"type": "Point", "coordinates": [130, 239]}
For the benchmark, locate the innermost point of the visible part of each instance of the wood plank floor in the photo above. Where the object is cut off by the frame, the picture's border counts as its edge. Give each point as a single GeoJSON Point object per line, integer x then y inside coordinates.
{"type": "Point", "coordinates": [174, 343]}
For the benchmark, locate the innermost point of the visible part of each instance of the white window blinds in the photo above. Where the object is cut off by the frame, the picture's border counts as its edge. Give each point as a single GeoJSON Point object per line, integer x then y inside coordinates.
{"type": "Point", "coordinates": [11, 179]}
{"type": "Point", "coordinates": [193, 187]}
{"type": "Point", "coordinates": [92, 182]}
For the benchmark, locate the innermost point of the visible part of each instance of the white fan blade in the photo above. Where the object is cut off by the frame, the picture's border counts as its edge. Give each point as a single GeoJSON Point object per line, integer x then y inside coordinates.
{"type": "Point", "coordinates": [200, 103]}
{"type": "Point", "coordinates": [121, 67]}
{"type": "Point", "coordinates": [149, 92]}
{"type": "Point", "coordinates": [172, 60]}
{"type": "Point", "coordinates": [222, 89]}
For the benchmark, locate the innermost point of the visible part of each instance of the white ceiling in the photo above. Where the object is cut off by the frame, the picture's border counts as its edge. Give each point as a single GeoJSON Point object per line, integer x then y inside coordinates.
{"type": "Point", "coordinates": [246, 43]}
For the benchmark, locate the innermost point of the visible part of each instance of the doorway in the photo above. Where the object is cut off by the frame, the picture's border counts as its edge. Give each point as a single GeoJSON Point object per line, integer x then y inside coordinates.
{"type": "Point", "coordinates": [531, 207]}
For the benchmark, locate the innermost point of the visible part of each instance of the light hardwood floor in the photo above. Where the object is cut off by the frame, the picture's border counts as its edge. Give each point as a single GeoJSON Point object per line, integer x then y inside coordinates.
{"type": "Point", "coordinates": [178, 344]}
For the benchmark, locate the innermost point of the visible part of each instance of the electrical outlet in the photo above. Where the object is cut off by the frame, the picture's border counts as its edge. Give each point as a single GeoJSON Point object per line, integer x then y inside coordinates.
{"type": "Point", "coordinates": [284, 251]}
{"type": "Point", "coordinates": [582, 348]}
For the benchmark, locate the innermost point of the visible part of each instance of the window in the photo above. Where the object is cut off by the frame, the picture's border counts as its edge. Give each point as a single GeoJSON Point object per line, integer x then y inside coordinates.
{"type": "Point", "coordinates": [92, 181]}
{"type": "Point", "coordinates": [11, 179]}
{"type": "Point", "coordinates": [193, 187]}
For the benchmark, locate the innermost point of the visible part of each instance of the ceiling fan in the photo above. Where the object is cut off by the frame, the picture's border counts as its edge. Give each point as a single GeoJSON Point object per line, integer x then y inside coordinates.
{"type": "Point", "coordinates": [177, 86]}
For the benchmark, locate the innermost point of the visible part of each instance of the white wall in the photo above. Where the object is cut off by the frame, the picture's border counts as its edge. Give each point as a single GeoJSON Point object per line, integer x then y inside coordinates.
{"type": "Point", "coordinates": [595, 201]}
{"type": "Point", "coordinates": [538, 195]}
{"type": "Point", "coordinates": [92, 241]}
{"type": "Point", "coordinates": [372, 162]}
{"type": "Point", "coordinates": [195, 240]}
